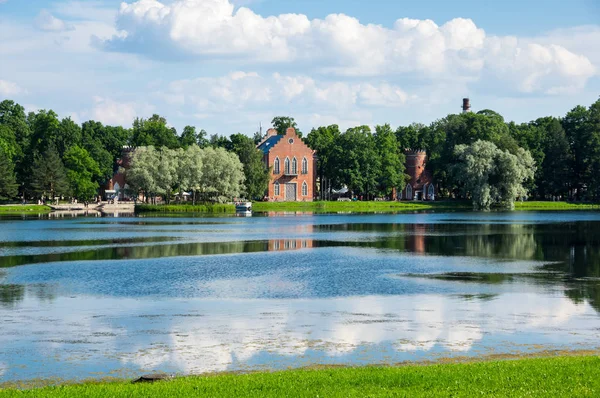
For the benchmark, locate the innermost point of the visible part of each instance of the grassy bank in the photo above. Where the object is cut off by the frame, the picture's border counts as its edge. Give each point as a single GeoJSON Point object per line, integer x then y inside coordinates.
{"type": "Point", "coordinates": [542, 377]}
{"type": "Point", "coordinates": [541, 206]}
{"type": "Point", "coordinates": [359, 207]}
{"type": "Point", "coordinates": [205, 208]}
{"type": "Point", "coordinates": [22, 209]}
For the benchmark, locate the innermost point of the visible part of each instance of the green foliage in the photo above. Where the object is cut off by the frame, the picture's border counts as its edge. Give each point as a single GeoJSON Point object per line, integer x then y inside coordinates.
{"type": "Point", "coordinates": [256, 173]}
{"type": "Point", "coordinates": [566, 376]}
{"type": "Point", "coordinates": [324, 141]}
{"type": "Point", "coordinates": [490, 175]}
{"type": "Point", "coordinates": [358, 162]}
{"type": "Point", "coordinates": [154, 132]}
{"type": "Point", "coordinates": [282, 123]}
{"type": "Point", "coordinates": [48, 175]}
{"type": "Point", "coordinates": [8, 181]}
{"type": "Point", "coordinates": [391, 173]}
{"type": "Point", "coordinates": [82, 170]}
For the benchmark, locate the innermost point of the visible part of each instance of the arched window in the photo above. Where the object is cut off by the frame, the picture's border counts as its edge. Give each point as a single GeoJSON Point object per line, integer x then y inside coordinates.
{"type": "Point", "coordinates": [409, 195]}
{"type": "Point", "coordinates": [286, 166]}
{"type": "Point", "coordinates": [276, 166]}
{"type": "Point", "coordinates": [117, 187]}
{"type": "Point", "coordinates": [431, 192]}
{"type": "Point", "coordinates": [304, 166]}
{"type": "Point", "coordinates": [276, 188]}
{"type": "Point", "coordinates": [304, 189]}
{"type": "Point", "coordinates": [294, 166]}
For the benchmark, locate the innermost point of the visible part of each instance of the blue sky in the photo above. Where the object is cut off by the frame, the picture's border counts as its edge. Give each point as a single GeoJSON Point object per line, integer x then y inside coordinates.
{"type": "Point", "coordinates": [228, 65]}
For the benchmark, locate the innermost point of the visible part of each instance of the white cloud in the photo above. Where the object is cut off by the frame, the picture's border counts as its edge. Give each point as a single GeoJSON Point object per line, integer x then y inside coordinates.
{"type": "Point", "coordinates": [48, 22]}
{"type": "Point", "coordinates": [342, 45]}
{"type": "Point", "coordinates": [9, 88]}
{"type": "Point", "coordinates": [252, 91]}
{"type": "Point", "coordinates": [112, 112]}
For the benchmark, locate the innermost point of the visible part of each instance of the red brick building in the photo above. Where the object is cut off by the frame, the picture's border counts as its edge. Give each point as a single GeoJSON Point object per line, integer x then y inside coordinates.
{"type": "Point", "coordinates": [420, 186]}
{"type": "Point", "coordinates": [117, 186]}
{"type": "Point", "coordinates": [293, 166]}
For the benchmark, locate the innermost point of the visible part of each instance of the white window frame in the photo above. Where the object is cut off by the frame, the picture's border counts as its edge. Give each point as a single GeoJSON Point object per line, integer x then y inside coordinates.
{"type": "Point", "coordinates": [304, 189]}
{"type": "Point", "coordinates": [304, 166]}
{"type": "Point", "coordinates": [286, 166]}
{"type": "Point", "coordinates": [276, 189]}
{"type": "Point", "coordinates": [294, 166]}
{"type": "Point", "coordinates": [409, 192]}
{"type": "Point", "coordinates": [276, 166]}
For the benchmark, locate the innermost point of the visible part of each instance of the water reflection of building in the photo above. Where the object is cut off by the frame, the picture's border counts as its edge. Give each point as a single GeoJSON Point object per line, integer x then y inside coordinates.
{"type": "Point", "coordinates": [416, 240]}
{"type": "Point", "coordinates": [290, 244]}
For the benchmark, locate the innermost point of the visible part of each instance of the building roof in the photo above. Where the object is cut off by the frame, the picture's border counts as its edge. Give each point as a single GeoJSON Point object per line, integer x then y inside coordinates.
{"type": "Point", "coordinates": [269, 143]}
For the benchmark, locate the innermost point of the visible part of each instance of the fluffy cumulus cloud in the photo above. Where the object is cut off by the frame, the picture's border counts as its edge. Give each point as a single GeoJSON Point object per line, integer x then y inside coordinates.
{"type": "Point", "coordinates": [243, 90]}
{"type": "Point", "coordinates": [109, 111]}
{"type": "Point", "coordinates": [342, 45]}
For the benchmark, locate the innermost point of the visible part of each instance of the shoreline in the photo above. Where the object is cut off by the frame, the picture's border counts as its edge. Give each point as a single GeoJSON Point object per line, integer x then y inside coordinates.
{"type": "Point", "coordinates": [439, 374]}
{"type": "Point", "coordinates": [306, 207]}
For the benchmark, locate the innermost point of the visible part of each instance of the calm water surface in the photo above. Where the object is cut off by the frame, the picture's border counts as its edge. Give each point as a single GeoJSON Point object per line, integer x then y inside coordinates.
{"type": "Point", "coordinates": [95, 297]}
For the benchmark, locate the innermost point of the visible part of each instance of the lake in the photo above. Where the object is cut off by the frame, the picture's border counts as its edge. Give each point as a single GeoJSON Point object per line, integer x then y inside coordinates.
{"type": "Point", "coordinates": [115, 297]}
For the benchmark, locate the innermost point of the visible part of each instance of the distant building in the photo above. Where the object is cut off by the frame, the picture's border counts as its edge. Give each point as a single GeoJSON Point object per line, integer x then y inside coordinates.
{"type": "Point", "coordinates": [466, 107]}
{"type": "Point", "coordinates": [117, 185]}
{"type": "Point", "coordinates": [420, 186]}
{"type": "Point", "coordinates": [292, 165]}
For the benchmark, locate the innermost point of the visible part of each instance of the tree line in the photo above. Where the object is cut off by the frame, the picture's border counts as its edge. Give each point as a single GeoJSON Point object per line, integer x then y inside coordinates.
{"type": "Point", "coordinates": [43, 155]}
{"type": "Point", "coordinates": [550, 157]}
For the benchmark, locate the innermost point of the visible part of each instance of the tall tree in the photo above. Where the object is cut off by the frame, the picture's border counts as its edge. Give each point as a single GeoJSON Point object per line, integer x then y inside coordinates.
{"type": "Point", "coordinates": [577, 128]}
{"type": "Point", "coordinates": [324, 140]}
{"type": "Point", "coordinates": [391, 173]}
{"type": "Point", "coordinates": [490, 175]}
{"type": "Point", "coordinates": [282, 123]}
{"type": "Point", "coordinates": [154, 132]}
{"type": "Point", "coordinates": [48, 176]}
{"type": "Point", "coordinates": [358, 161]}
{"type": "Point", "coordinates": [82, 173]}
{"type": "Point", "coordinates": [188, 137]}
{"type": "Point", "coordinates": [555, 169]}
{"type": "Point", "coordinates": [256, 173]}
{"type": "Point", "coordinates": [8, 182]}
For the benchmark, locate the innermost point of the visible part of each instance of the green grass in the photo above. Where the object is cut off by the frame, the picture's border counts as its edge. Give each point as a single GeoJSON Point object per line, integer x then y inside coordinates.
{"type": "Point", "coordinates": [359, 207]}
{"type": "Point", "coordinates": [542, 377]}
{"type": "Point", "coordinates": [205, 208]}
{"type": "Point", "coordinates": [21, 209]}
{"type": "Point", "coordinates": [540, 206]}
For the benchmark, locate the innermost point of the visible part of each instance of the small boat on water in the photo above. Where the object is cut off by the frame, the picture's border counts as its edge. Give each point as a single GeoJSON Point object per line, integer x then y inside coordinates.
{"type": "Point", "coordinates": [243, 206]}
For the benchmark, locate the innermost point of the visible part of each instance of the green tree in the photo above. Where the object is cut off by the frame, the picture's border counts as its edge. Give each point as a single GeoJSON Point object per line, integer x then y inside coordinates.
{"type": "Point", "coordinates": [391, 174]}
{"type": "Point", "coordinates": [222, 175]}
{"type": "Point", "coordinates": [256, 173]}
{"type": "Point", "coordinates": [490, 175]}
{"type": "Point", "coordinates": [324, 140]}
{"type": "Point", "coordinates": [154, 132]}
{"type": "Point", "coordinates": [188, 137]}
{"type": "Point", "coordinates": [577, 128]}
{"type": "Point", "coordinates": [358, 162]}
{"type": "Point", "coordinates": [282, 123]}
{"type": "Point", "coordinates": [555, 168]}
{"type": "Point", "coordinates": [48, 175]}
{"type": "Point", "coordinates": [8, 182]}
{"type": "Point", "coordinates": [464, 128]}
{"type": "Point", "coordinates": [142, 172]}
{"type": "Point", "coordinates": [82, 173]}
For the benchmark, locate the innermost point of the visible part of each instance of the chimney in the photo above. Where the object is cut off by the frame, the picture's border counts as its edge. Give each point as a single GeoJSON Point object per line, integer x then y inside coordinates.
{"type": "Point", "coordinates": [271, 132]}
{"type": "Point", "coordinates": [466, 107]}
